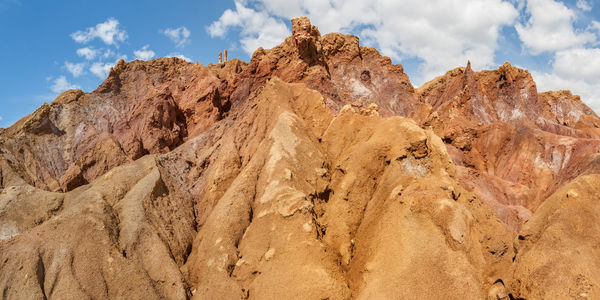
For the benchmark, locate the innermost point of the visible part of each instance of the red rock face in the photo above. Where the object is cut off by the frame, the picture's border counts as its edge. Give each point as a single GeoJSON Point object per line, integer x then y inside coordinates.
{"type": "Point", "coordinates": [514, 147]}
{"type": "Point", "coordinates": [141, 108]}
{"type": "Point", "coordinates": [338, 67]}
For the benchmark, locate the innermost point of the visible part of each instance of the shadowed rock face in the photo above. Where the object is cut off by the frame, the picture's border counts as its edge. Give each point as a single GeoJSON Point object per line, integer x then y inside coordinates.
{"type": "Point", "coordinates": [315, 171]}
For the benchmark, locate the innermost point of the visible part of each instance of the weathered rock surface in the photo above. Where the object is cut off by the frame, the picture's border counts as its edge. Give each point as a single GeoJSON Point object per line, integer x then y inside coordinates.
{"type": "Point", "coordinates": [558, 249]}
{"type": "Point", "coordinates": [514, 148]}
{"type": "Point", "coordinates": [121, 237]}
{"type": "Point", "coordinates": [142, 108]}
{"type": "Point", "coordinates": [290, 201]}
{"type": "Point", "coordinates": [315, 171]}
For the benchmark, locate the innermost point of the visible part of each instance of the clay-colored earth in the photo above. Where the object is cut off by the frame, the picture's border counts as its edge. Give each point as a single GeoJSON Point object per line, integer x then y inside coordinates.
{"type": "Point", "coordinates": [315, 171]}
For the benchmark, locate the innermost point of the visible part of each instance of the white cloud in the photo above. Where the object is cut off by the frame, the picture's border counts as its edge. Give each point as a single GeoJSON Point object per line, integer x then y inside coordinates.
{"type": "Point", "coordinates": [61, 84]}
{"type": "Point", "coordinates": [76, 69]}
{"type": "Point", "coordinates": [550, 28]}
{"type": "Point", "coordinates": [587, 91]}
{"type": "Point", "coordinates": [101, 69]}
{"type": "Point", "coordinates": [582, 64]}
{"type": "Point", "coordinates": [595, 26]}
{"type": "Point", "coordinates": [584, 5]}
{"type": "Point", "coordinates": [180, 56]}
{"type": "Point", "coordinates": [109, 32]}
{"type": "Point", "coordinates": [144, 53]}
{"type": "Point", "coordinates": [180, 36]}
{"type": "Point", "coordinates": [577, 70]}
{"type": "Point", "coordinates": [574, 67]}
{"type": "Point", "coordinates": [258, 29]}
{"type": "Point", "coordinates": [88, 52]}
{"type": "Point", "coordinates": [441, 33]}
{"type": "Point", "coordinates": [0, 118]}
{"type": "Point", "coordinates": [108, 53]}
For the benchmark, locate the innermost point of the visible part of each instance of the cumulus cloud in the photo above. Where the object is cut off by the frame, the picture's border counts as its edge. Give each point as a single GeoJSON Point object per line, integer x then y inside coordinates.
{"type": "Point", "coordinates": [577, 70]}
{"type": "Point", "coordinates": [584, 5]}
{"type": "Point", "coordinates": [180, 35]}
{"type": "Point", "coordinates": [594, 26]}
{"type": "Point", "coordinates": [101, 69]}
{"type": "Point", "coordinates": [109, 32]}
{"type": "Point", "coordinates": [109, 53]}
{"type": "Point", "coordinates": [551, 81]}
{"type": "Point", "coordinates": [180, 56]}
{"type": "Point", "coordinates": [439, 33]}
{"type": "Point", "coordinates": [550, 28]}
{"type": "Point", "coordinates": [76, 69]}
{"type": "Point", "coordinates": [258, 28]}
{"type": "Point", "coordinates": [87, 52]}
{"type": "Point", "coordinates": [61, 84]}
{"type": "Point", "coordinates": [583, 64]}
{"type": "Point", "coordinates": [144, 53]}
{"type": "Point", "coordinates": [575, 64]}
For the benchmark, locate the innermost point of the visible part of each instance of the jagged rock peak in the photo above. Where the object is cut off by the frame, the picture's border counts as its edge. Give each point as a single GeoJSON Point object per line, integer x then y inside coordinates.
{"type": "Point", "coordinates": [338, 67]}
{"type": "Point", "coordinates": [303, 31]}
{"type": "Point", "coordinates": [306, 39]}
{"type": "Point", "coordinates": [511, 73]}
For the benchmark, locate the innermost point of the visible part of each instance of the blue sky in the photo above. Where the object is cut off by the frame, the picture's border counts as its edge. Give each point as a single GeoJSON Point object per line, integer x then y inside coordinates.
{"type": "Point", "coordinates": [49, 46]}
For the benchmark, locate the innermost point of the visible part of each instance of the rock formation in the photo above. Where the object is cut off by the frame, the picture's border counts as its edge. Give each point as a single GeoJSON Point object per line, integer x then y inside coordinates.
{"type": "Point", "coordinates": [314, 171]}
{"type": "Point", "coordinates": [513, 147]}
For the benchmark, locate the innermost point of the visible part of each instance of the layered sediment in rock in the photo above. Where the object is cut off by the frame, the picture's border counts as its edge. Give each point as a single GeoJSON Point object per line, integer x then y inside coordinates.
{"type": "Point", "coordinates": [514, 148]}
{"type": "Point", "coordinates": [315, 171]}
{"type": "Point", "coordinates": [142, 108]}
{"type": "Point", "coordinates": [290, 194]}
